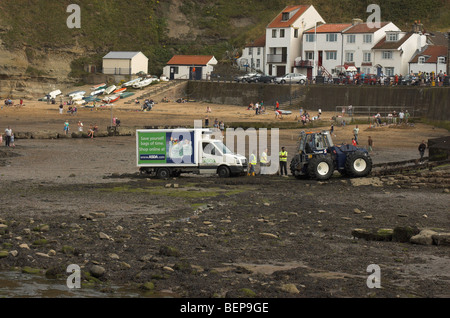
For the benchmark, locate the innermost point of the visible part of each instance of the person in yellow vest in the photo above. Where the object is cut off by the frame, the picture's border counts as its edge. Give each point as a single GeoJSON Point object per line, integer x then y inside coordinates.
{"type": "Point", "coordinates": [264, 162]}
{"type": "Point", "coordinates": [283, 161]}
{"type": "Point", "coordinates": [253, 162]}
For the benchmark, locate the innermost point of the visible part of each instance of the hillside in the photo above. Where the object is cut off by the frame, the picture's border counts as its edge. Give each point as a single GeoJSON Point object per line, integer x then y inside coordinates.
{"type": "Point", "coordinates": [35, 40]}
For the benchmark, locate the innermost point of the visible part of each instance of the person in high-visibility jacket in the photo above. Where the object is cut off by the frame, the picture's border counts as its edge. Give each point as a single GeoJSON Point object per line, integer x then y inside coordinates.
{"type": "Point", "coordinates": [263, 162]}
{"type": "Point", "coordinates": [253, 162]}
{"type": "Point", "coordinates": [283, 161]}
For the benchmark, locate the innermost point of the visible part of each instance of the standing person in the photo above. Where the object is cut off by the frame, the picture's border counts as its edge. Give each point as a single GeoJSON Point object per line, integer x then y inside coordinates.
{"type": "Point", "coordinates": [422, 148]}
{"type": "Point", "coordinates": [253, 162]}
{"type": "Point", "coordinates": [8, 133]}
{"type": "Point", "coordinates": [332, 129]}
{"type": "Point", "coordinates": [350, 110]}
{"type": "Point", "coordinates": [301, 112]}
{"type": "Point", "coordinates": [283, 161]}
{"type": "Point", "coordinates": [401, 116]}
{"type": "Point", "coordinates": [355, 133]}
{"type": "Point", "coordinates": [66, 127]}
{"type": "Point", "coordinates": [407, 115]}
{"type": "Point", "coordinates": [61, 108]}
{"type": "Point", "coordinates": [12, 141]}
{"type": "Point", "coordinates": [277, 106]}
{"type": "Point", "coordinates": [206, 122]}
{"type": "Point", "coordinates": [80, 126]}
{"type": "Point", "coordinates": [264, 162]}
{"type": "Point", "coordinates": [222, 126]}
{"type": "Point", "coordinates": [370, 143]}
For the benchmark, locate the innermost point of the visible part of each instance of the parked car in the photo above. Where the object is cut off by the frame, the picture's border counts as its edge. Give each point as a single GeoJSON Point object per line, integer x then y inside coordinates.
{"type": "Point", "coordinates": [261, 78]}
{"type": "Point", "coordinates": [409, 80]}
{"type": "Point", "coordinates": [370, 79]}
{"type": "Point", "coordinates": [243, 78]}
{"type": "Point", "coordinates": [291, 78]}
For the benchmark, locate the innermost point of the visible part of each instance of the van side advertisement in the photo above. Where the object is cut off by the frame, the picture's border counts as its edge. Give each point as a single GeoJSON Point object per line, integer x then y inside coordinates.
{"type": "Point", "coordinates": [175, 147]}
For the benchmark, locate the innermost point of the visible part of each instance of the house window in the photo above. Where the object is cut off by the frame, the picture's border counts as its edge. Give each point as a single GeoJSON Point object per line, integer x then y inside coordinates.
{"type": "Point", "coordinates": [331, 37]}
{"type": "Point", "coordinates": [387, 55]}
{"type": "Point", "coordinates": [274, 33]}
{"type": "Point", "coordinates": [349, 56]}
{"type": "Point", "coordinates": [392, 37]}
{"type": "Point", "coordinates": [331, 55]}
{"type": "Point", "coordinates": [421, 59]}
{"type": "Point", "coordinates": [310, 37]}
{"type": "Point", "coordinates": [366, 70]}
{"type": "Point", "coordinates": [351, 38]}
{"type": "Point", "coordinates": [367, 57]}
{"type": "Point", "coordinates": [309, 55]}
{"type": "Point", "coordinates": [258, 63]}
{"type": "Point", "coordinates": [389, 71]}
{"type": "Point", "coordinates": [285, 16]}
{"type": "Point", "coordinates": [441, 60]}
{"type": "Point", "coordinates": [281, 33]}
{"type": "Point", "coordinates": [295, 33]}
{"type": "Point", "coordinates": [367, 38]}
{"type": "Point", "coordinates": [259, 51]}
{"type": "Point", "coordinates": [250, 51]}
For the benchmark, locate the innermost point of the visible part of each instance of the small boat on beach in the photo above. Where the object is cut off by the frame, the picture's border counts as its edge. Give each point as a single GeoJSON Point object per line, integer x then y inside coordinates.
{"type": "Point", "coordinates": [77, 97]}
{"type": "Point", "coordinates": [131, 83]}
{"type": "Point", "coordinates": [55, 93]}
{"type": "Point", "coordinates": [111, 99]}
{"type": "Point", "coordinates": [120, 90]}
{"type": "Point", "coordinates": [98, 92]}
{"type": "Point", "coordinates": [110, 89]}
{"type": "Point", "coordinates": [76, 93]}
{"type": "Point", "coordinates": [143, 83]}
{"type": "Point", "coordinates": [99, 86]}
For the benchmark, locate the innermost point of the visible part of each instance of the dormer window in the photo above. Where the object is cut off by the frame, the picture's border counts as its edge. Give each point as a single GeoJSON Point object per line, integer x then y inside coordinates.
{"type": "Point", "coordinates": [392, 37]}
{"type": "Point", "coordinates": [421, 59]}
{"type": "Point", "coordinates": [441, 60]}
{"type": "Point", "coordinates": [286, 16]}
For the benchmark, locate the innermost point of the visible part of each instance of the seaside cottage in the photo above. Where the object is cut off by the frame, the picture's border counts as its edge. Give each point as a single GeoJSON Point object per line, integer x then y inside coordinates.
{"type": "Point", "coordinates": [190, 67]}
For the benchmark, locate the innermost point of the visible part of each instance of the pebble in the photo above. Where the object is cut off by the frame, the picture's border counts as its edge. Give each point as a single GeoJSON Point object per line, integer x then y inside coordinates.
{"type": "Point", "coordinates": [97, 271]}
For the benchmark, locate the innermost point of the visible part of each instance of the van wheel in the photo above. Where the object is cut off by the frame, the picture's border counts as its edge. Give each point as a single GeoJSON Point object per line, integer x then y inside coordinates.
{"type": "Point", "coordinates": [223, 172]}
{"type": "Point", "coordinates": [163, 173]}
{"type": "Point", "coordinates": [302, 81]}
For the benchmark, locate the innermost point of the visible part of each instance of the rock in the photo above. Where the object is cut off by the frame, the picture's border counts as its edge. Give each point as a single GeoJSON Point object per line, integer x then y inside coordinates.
{"type": "Point", "coordinates": [269, 235]}
{"type": "Point", "coordinates": [97, 215]}
{"type": "Point", "coordinates": [403, 234]}
{"type": "Point", "coordinates": [97, 271]}
{"type": "Point", "coordinates": [446, 190]}
{"type": "Point", "coordinates": [425, 237]}
{"type": "Point", "coordinates": [290, 288]}
{"type": "Point", "coordinates": [4, 254]}
{"type": "Point", "coordinates": [114, 256]}
{"type": "Point", "coordinates": [42, 254]}
{"type": "Point", "coordinates": [14, 253]}
{"type": "Point", "coordinates": [51, 253]}
{"type": "Point", "coordinates": [147, 286]}
{"type": "Point", "coordinates": [25, 246]}
{"type": "Point", "coordinates": [168, 251]}
{"type": "Point", "coordinates": [357, 211]}
{"type": "Point", "coordinates": [373, 235]}
{"type": "Point", "coordinates": [3, 226]}
{"type": "Point", "coordinates": [169, 269]}
{"type": "Point", "coordinates": [441, 239]}
{"type": "Point", "coordinates": [103, 236]}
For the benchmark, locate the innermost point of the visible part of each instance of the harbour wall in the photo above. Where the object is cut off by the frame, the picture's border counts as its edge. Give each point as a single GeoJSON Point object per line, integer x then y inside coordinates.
{"type": "Point", "coordinates": [430, 102]}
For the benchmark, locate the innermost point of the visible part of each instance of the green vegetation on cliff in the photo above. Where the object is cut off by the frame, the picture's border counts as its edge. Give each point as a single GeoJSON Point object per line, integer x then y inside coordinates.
{"type": "Point", "coordinates": [214, 26]}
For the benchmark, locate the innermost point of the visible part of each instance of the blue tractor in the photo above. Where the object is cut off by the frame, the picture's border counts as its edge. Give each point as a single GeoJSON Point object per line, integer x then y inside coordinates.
{"type": "Point", "coordinates": [318, 158]}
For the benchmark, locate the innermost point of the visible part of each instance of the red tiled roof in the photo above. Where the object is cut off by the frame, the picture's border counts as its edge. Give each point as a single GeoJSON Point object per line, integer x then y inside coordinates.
{"type": "Point", "coordinates": [190, 60]}
{"type": "Point", "coordinates": [432, 52]}
{"type": "Point", "coordinates": [388, 45]}
{"type": "Point", "coordinates": [259, 42]}
{"type": "Point", "coordinates": [330, 28]}
{"type": "Point", "coordinates": [364, 28]}
{"type": "Point", "coordinates": [278, 23]}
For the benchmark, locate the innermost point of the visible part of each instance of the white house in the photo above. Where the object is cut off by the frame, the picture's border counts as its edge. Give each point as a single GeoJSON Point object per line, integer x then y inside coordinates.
{"type": "Point", "coordinates": [394, 51]}
{"type": "Point", "coordinates": [432, 58]}
{"type": "Point", "coordinates": [125, 63]}
{"type": "Point", "coordinates": [192, 67]}
{"type": "Point", "coordinates": [359, 41]}
{"type": "Point", "coordinates": [284, 37]}
{"type": "Point", "coordinates": [254, 56]}
{"type": "Point", "coordinates": [322, 49]}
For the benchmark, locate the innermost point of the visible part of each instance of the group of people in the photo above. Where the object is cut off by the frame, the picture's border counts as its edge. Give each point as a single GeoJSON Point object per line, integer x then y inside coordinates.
{"type": "Point", "coordinates": [258, 107]}
{"type": "Point", "coordinates": [217, 125]}
{"type": "Point", "coordinates": [305, 117]}
{"type": "Point", "coordinates": [9, 102]}
{"type": "Point", "coordinates": [265, 163]}
{"type": "Point", "coordinates": [92, 129]}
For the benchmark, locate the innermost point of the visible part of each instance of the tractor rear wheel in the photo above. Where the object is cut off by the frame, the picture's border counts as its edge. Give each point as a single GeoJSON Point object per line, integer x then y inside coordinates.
{"type": "Point", "coordinates": [294, 167]}
{"type": "Point", "coordinates": [358, 164]}
{"type": "Point", "coordinates": [321, 168]}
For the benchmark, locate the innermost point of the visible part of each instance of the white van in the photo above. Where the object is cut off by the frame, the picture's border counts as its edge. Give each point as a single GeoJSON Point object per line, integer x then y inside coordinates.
{"type": "Point", "coordinates": [291, 78]}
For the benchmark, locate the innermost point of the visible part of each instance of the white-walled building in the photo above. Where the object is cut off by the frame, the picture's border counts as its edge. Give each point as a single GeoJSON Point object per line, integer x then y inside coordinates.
{"type": "Point", "coordinates": [284, 37]}
{"type": "Point", "coordinates": [393, 52]}
{"type": "Point", "coordinates": [254, 56]}
{"type": "Point", "coordinates": [322, 49]}
{"type": "Point", "coordinates": [432, 58]}
{"type": "Point", "coordinates": [359, 41]}
{"type": "Point", "coordinates": [125, 63]}
{"type": "Point", "coordinates": [191, 67]}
